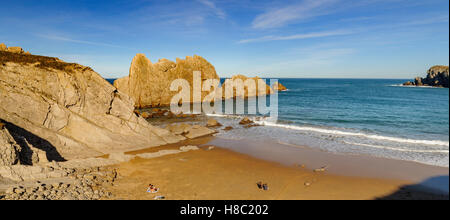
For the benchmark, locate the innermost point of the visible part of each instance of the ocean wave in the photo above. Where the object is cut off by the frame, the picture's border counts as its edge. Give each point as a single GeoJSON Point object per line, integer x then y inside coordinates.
{"type": "Point", "coordinates": [359, 134]}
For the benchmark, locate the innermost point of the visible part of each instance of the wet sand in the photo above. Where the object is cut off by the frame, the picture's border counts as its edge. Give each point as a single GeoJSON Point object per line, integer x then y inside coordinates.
{"type": "Point", "coordinates": [225, 174]}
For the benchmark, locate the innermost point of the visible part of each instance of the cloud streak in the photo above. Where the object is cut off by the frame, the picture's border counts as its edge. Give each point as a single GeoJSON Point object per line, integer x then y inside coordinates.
{"type": "Point", "coordinates": [297, 36]}
{"type": "Point", "coordinates": [219, 12]}
{"type": "Point", "coordinates": [281, 16]}
{"type": "Point", "coordinates": [59, 38]}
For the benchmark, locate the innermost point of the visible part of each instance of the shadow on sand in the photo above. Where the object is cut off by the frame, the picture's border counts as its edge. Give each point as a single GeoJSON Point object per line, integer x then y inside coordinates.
{"type": "Point", "coordinates": [435, 188]}
{"type": "Point", "coordinates": [25, 138]}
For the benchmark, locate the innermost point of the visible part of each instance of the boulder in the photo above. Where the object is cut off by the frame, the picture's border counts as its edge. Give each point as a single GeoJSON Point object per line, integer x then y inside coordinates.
{"type": "Point", "coordinates": [245, 121]}
{"type": "Point", "coordinates": [3, 47]}
{"type": "Point", "coordinates": [228, 128]}
{"type": "Point", "coordinates": [148, 84]}
{"type": "Point", "coordinates": [179, 129]}
{"type": "Point", "coordinates": [213, 123]}
{"type": "Point", "coordinates": [199, 131]}
{"type": "Point", "coordinates": [279, 87]}
{"type": "Point", "coordinates": [70, 111]}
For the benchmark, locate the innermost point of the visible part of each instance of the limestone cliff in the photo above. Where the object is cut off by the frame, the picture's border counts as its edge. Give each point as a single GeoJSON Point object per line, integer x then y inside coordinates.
{"type": "Point", "coordinates": [149, 84]}
{"type": "Point", "coordinates": [437, 76]}
{"type": "Point", "coordinates": [68, 110]}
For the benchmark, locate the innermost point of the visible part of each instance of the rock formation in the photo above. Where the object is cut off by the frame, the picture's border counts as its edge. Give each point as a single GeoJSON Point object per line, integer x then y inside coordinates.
{"type": "Point", "coordinates": [149, 84]}
{"type": "Point", "coordinates": [279, 87]}
{"type": "Point", "coordinates": [9, 149]}
{"type": "Point", "coordinates": [249, 91]}
{"type": "Point", "coordinates": [3, 47]}
{"type": "Point", "coordinates": [67, 110]}
{"type": "Point", "coordinates": [437, 76]}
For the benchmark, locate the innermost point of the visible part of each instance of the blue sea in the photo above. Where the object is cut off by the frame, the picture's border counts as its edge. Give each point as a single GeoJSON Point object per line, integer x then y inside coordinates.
{"type": "Point", "coordinates": [376, 117]}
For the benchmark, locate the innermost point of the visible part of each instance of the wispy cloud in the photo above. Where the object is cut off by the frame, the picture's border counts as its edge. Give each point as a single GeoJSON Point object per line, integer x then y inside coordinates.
{"type": "Point", "coordinates": [281, 16]}
{"type": "Point", "coordinates": [65, 39]}
{"type": "Point", "coordinates": [297, 36]}
{"type": "Point", "coordinates": [210, 4]}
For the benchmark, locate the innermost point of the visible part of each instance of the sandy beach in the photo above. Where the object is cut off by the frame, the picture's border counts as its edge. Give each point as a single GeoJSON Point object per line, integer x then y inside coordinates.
{"type": "Point", "coordinates": [220, 174]}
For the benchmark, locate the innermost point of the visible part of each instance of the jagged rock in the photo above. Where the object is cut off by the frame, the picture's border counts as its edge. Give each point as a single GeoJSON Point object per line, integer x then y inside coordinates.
{"type": "Point", "coordinates": [9, 149]}
{"type": "Point", "coordinates": [213, 123]}
{"type": "Point", "coordinates": [437, 76]}
{"type": "Point", "coordinates": [279, 87]}
{"type": "Point", "coordinates": [70, 110]}
{"type": "Point", "coordinates": [149, 84]}
{"type": "Point", "coordinates": [251, 87]}
{"type": "Point", "coordinates": [3, 47]}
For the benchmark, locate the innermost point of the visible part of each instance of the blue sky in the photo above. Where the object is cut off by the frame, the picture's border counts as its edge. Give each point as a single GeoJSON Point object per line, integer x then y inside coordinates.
{"type": "Point", "coordinates": [292, 38]}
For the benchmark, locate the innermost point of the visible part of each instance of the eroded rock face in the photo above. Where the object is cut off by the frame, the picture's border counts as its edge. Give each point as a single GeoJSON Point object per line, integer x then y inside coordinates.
{"type": "Point", "coordinates": [149, 84]}
{"type": "Point", "coordinates": [3, 47]}
{"type": "Point", "coordinates": [437, 76]}
{"type": "Point", "coordinates": [9, 149]}
{"type": "Point", "coordinates": [70, 108]}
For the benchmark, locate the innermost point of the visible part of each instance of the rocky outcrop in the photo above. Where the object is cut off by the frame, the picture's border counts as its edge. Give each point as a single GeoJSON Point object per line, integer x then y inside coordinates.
{"type": "Point", "coordinates": [279, 87]}
{"type": "Point", "coordinates": [251, 87]}
{"type": "Point", "coordinates": [3, 47]}
{"type": "Point", "coordinates": [68, 110]}
{"type": "Point", "coordinates": [148, 84]}
{"type": "Point", "coordinates": [437, 76]}
{"type": "Point", "coordinates": [9, 149]}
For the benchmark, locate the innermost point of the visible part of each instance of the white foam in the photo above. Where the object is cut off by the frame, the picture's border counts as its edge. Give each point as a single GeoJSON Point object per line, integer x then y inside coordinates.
{"type": "Point", "coordinates": [401, 85]}
{"type": "Point", "coordinates": [398, 149]}
{"type": "Point", "coordinates": [346, 133]}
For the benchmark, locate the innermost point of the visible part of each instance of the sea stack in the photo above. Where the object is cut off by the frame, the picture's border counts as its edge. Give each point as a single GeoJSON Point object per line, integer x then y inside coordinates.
{"type": "Point", "coordinates": [149, 84]}
{"type": "Point", "coordinates": [437, 76]}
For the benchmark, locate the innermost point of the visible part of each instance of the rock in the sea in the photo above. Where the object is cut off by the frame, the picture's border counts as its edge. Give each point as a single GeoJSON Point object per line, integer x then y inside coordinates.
{"type": "Point", "coordinates": [245, 121]}
{"type": "Point", "coordinates": [213, 123]}
{"type": "Point", "coordinates": [437, 76]}
{"type": "Point", "coordinates": [148, 84]}
{"type": "Point", "coordinates": [69, 111]}
{"type": "Point", "coordinates": [251, 87]}
{"type": "Point", "coordinates": [279, 87]}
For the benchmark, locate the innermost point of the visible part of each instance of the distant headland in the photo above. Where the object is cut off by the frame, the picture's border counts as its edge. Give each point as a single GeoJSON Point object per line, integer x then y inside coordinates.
{"type": "Point", "coordinates": [437, 76]}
